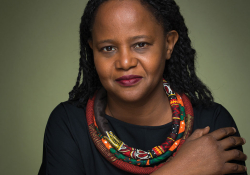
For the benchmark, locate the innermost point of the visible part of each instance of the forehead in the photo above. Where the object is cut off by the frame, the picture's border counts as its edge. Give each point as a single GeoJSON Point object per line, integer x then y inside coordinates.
{"type": "Point", "coordinates": [118, 17]}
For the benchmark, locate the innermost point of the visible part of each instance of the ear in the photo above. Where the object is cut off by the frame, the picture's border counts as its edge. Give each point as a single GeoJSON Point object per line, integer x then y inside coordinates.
{"type": "Point", "coordinates": [90, 44]}
{"type": "Point", "coordinates": [171, 39]}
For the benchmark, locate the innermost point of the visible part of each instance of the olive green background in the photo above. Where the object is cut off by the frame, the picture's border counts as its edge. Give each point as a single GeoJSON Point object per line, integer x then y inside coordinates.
{"type": "Point", "coordinates": [39, 51]}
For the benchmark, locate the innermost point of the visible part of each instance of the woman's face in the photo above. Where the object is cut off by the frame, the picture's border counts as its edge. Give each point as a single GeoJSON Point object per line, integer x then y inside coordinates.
{"type": "Point", "coordinates": [130, 49]}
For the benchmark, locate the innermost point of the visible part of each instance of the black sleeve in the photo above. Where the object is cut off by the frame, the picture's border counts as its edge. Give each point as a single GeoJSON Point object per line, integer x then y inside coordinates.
{"type": "Point", "coordinates": [61, 155]}
{"type": "Point", "coordinates": [216, 117]}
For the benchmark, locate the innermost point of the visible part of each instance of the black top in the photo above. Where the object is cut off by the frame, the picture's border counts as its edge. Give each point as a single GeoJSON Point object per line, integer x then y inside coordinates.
{"type": "Point", "coordinates": [69, 150]}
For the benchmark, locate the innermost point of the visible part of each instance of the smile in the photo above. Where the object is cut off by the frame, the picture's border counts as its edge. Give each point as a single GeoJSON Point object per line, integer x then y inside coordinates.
{"type": "Point", "coordinates": [128, 80]}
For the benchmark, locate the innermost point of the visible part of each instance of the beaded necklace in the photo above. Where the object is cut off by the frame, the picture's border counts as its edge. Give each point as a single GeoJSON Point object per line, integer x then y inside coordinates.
{"type": "Point", "coordinates": [133, 159]}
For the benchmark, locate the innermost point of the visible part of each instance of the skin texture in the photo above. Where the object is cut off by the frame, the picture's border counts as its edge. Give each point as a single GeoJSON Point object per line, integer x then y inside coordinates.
{"type": "Point", "coordinates": [207, 154]}
{"type": "Point", "coordinates": [127, 40]}
{"type": "Point", "coordinates": [132, 44]}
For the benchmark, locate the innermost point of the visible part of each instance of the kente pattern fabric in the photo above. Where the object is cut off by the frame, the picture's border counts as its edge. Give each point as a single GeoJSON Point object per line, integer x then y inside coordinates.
{"type": "Point", "coordinates": [119, 160]}
{"type": "Point", "coordinates": [145, 158]}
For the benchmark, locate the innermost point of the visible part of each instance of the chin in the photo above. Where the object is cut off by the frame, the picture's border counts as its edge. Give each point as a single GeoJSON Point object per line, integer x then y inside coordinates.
{"type": "Point", "coordinates": [132, 96]}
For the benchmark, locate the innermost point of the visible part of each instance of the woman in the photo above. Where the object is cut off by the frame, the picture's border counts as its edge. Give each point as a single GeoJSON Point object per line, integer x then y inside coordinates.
{"type": "Point", "coordinates": [139, 100]}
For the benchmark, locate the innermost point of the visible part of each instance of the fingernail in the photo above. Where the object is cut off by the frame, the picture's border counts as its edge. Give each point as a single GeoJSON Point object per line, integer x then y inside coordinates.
{"type": "Point", "coordinates": [245, 168]}
{"type": "Point", "coordinates": [234, 129]}
{"type": "Point", "coordinates": [244, 140]}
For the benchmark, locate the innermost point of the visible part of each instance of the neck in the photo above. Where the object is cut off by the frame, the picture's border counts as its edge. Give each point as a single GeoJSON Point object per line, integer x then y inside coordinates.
{"type": "Point", "coordinates": [154, 110]}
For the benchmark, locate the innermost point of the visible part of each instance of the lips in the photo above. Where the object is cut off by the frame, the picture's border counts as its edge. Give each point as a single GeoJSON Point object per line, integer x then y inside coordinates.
{"type": "Point", "coordinates": [128, 80]}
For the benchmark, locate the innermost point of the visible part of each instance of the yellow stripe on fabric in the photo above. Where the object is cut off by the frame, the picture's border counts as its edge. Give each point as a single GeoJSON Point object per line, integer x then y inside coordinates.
{"type": "Point", "coordinates": [174, 105]}
{"type": "Point", "coordinates": [150, 154]}
{"type": "Point", "coordinates": [173, 101]}
{"type": "Point", "coordinates": [171, 95]}
{"type": "Point", "coordinates": [161, 149]}
{"type": "Point", "coordinates": [177, 118]}
{"type": "Point", "coordinates": [171, 138]}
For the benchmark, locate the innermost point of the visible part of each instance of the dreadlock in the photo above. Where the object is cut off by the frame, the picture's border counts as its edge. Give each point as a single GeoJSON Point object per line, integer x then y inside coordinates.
{"type": "Point", "coordinates": [179, 69]}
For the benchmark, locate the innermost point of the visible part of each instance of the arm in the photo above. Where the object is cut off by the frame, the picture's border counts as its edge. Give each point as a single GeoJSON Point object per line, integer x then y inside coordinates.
{"type": "Point", "coordinates": [222, 118]}
{"type": "Point", "coordinates": [61, 154]}
{"type": "Point", "coordinates": [195, 157]}
{"type": "Point", "coordinates": [205, 153]}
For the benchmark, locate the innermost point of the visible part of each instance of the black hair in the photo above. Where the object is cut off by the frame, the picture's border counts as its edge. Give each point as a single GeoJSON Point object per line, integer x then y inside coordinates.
{"type": "Point", "coordinates": [179, 69]}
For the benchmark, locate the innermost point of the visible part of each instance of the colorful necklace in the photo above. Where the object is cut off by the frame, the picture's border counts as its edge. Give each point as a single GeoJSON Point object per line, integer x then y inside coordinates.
{"type": "Point", "coordinates": [140, 157]}
{"type": "Point", "coordinates": [128, 158]}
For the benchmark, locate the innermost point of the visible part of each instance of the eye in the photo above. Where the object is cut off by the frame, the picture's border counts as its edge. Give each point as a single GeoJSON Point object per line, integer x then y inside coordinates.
{"type": "Point", "coordinates": [141, 45]}
{"type": "Point", "coordinates": [108, 48]}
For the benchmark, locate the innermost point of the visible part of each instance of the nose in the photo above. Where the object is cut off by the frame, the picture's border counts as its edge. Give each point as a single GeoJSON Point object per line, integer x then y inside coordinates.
{"type": "Point", "coordinates": [126, 59]}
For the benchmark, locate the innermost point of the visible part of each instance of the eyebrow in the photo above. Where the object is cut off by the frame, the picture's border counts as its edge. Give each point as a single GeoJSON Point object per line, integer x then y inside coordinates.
{"type": "Point", "coordinates": [139, 37]}
{"type": "Point", "coordinates": [131, 38]}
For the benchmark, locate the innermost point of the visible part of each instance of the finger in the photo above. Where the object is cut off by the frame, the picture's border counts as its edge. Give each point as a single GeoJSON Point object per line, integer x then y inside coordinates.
{"type": "Point", "coordinates": [235, 155]}
{"type": "Point", "coordinates": [223, 132]}
{"type": "Point", "coordinates": [233, 168]}
{"type": "Point", "coordinates": [231, 141]}
{"type": "Point", "coordinates": [199, 133]}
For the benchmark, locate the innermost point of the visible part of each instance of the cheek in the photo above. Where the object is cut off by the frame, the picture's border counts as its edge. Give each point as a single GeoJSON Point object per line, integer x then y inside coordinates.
{"type": "Point", "coordinates": [103, 69]}
{"type": "Point", "coordinates": [157, 70]}
{"type": "Point", "coordinates": [155, 63]}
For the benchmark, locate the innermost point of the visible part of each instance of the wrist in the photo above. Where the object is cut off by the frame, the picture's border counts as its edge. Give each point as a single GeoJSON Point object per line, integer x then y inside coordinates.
{"type": "Point", "coordinates": [170, 168]}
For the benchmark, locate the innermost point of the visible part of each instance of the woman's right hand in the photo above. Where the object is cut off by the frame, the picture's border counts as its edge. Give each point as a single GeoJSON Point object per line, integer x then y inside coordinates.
{"type": "Point", "coordinates": [207, 154]}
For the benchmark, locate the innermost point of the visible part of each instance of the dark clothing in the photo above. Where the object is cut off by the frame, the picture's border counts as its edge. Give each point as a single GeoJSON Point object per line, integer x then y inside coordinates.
{"type": "Point", "coordinates": [69, 150]}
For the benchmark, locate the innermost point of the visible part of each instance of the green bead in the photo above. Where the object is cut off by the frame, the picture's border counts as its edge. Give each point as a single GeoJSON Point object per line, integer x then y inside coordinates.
{"type": "Point", "coordinates": [179, 136]}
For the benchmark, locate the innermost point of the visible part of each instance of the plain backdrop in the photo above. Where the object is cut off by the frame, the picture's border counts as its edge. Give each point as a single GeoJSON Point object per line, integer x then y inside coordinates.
{"type": "Point", "coordinates": [39, 52]}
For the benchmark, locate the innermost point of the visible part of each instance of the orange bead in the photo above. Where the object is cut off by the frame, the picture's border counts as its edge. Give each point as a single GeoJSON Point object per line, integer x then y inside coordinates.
{"type": "Point", "coordinates": [176, 143]}
{"type": "Point", "coordinates": [179, 99]}
{"type": "Point", "coordinates": [182, 127]}
{"type": "Point", "coordinates": [106, 143]}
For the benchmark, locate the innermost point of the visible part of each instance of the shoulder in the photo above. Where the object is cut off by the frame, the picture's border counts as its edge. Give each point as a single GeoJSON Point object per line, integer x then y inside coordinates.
{"type": "Point", "coordinates": [66, 118]}
{"type": "Point", "coordinates": [65, 135]}
{"type": "Point", "coordinates": [66, 111]}
{"type": "Point", "coordinates": [215, 116]}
